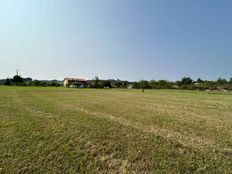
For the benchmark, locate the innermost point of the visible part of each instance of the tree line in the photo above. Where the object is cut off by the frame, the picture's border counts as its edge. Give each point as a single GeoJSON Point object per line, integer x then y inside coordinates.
{"type": "Point", "coordinates": [17, 80]}
{"type": "Point", "coordinates": [185, 83]}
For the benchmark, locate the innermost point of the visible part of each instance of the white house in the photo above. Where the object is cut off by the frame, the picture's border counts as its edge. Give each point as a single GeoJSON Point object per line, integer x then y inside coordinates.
{"type": "Point", "coordinates": [73, 81]}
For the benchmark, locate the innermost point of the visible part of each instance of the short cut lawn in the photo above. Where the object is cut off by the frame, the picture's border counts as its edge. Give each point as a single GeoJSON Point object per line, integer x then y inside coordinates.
{"type": "Point", "coordinates": [60, 130]}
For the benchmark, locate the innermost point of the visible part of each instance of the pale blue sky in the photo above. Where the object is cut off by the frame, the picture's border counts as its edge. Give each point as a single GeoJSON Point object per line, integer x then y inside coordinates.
{"type": "Point", "coordinates": [126, 39]}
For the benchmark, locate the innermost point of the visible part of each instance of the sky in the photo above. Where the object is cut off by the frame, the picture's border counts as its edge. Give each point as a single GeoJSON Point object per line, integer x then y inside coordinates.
{"type": "Point", "coordinates": [125, 39]}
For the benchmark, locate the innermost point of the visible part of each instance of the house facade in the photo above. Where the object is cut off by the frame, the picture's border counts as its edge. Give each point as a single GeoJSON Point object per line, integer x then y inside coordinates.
{"type": "Point", "coordinates": [74, 82]}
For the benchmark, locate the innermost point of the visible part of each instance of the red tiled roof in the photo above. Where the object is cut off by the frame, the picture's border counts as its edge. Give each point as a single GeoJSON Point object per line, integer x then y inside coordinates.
{"type": "Point", "coordinates": [75, 79]}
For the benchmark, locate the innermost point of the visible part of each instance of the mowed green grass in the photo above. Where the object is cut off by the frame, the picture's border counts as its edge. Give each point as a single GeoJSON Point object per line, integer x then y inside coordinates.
{"type": "Point", "coordinates": [58, 130]}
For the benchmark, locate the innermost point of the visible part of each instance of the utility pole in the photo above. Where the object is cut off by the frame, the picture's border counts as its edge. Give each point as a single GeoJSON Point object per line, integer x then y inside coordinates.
{"type": "Point", "coordinates": [17, 72]}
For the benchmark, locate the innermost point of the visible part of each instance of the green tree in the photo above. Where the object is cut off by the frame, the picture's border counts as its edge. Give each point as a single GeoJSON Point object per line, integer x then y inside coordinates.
{"type": "Point", "coordinates": [7, 82]}
{"type": "Point", "coordinates": [125, 84]}
{"type": "Point", "coordinates": [186, 81]}
{"type": "Point", "coordinates": [118, 83]}
{"type": "Point", "coordinates": [106, 84]}
{"type": "Point", "coordinates": [221, 81]}
{"type": "Point", "coordinates": [143, 84]}
{"type": "Point", "coordinates": [17, 80]}
{"type": "Point", "coordinates": [153, 84]}
{"type": "Point", "coordinates": [135, 85]}
{"type": "Point", "coordinates": [199, 80]}
{"type": "Point", "coordinates": [96, 82]}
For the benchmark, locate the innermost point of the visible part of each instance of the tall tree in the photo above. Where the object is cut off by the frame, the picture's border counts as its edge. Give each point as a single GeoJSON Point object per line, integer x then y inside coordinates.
{"type": "Point", "coordinates": [17, 80]}
{"type": "Point", "coordinates": [96, 82]}
{"type": "Point", "coordinates": [143, 84]}
{"type": "Point", "coordinates": [186, 81]}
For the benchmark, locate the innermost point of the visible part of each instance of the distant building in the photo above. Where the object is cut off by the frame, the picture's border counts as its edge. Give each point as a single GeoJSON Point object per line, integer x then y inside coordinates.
{"type": "Point", "coordinates": [130, 86]}
{"type": "Point", "coordinates": [74, 82]}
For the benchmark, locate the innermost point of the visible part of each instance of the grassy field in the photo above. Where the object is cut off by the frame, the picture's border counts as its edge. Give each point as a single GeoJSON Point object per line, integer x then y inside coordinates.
{"type": "Point", "coordinates": [58, 130]}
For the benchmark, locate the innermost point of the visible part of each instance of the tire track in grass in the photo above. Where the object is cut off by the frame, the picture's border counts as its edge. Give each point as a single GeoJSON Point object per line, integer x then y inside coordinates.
{"type": "Point", "coordinates": [186, 140]}
{"type": "Point", "coordinates": [36, 111]}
